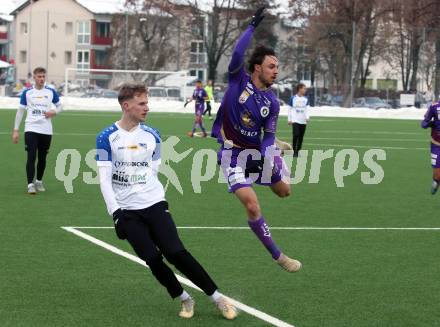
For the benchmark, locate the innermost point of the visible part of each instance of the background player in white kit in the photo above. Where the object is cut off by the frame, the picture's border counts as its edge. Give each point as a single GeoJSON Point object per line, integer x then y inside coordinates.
{"type": "Point", "coordinates": [128, 159]}
{"type": "Point", "coordinates": [298, 117]}
{"type": "Point", "coordinates": [38, 101]}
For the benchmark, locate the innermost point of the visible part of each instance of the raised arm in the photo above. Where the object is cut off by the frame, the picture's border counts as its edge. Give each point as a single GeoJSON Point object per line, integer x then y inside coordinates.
{"type": "Point", "coordinates": [427, 121]}
{"type": "Point", "coordinates": [237, 59]}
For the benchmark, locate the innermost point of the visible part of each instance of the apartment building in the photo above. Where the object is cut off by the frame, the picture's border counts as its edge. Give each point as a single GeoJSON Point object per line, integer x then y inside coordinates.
{"type": "Point", "coordinates": [60, 34]}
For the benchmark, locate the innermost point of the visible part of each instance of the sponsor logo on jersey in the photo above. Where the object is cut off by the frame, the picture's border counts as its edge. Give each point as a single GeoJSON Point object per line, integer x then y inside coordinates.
{"type": "Point", "coordinates": [128, 147]}
{"type": "Point", "coordinates": [246, 119]}
{"type": "Point", "coordinates": [122, 177]}
{"type": "Point", "coordinates": [38, 112]}
{"type": "Point", "coordinates": [248, 133]}
{"type": "Point", "coordinates": [244, 96]}
{"type": "Point", "coordinates": [249, 88]}
{"type": "Point", "coordinates": [119, 164]}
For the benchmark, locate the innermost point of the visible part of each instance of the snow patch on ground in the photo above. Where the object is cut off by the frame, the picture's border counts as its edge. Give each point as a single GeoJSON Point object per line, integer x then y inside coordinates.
{"type": "Point", "coordinates": [112, 105]}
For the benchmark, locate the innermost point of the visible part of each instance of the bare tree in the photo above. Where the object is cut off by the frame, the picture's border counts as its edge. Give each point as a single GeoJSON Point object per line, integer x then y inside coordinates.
{"type": "Point", "coordinates": [143, 35]}
{"type": "Point", "coordinates": [224, 24]}
{"type": "Point", "coordinates": [332, 26]}
{"type": "Point", "coordinates": [410, 19]}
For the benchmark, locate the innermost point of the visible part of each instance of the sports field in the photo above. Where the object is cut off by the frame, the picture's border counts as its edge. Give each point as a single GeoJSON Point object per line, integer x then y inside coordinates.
{"type": "Point", "coordinates": [359, 276]}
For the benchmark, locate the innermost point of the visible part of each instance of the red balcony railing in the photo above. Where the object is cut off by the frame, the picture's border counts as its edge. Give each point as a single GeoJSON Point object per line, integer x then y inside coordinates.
{"type": "Point", "coordinates": [101, 40]}
{"type": "Point", "coordinates": [97, 39]}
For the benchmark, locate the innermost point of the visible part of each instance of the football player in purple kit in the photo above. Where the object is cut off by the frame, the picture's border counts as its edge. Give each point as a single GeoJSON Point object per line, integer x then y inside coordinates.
{"type": "Point", "coordinates": [200, 96]}
{"type": "Point", "coordinates": [245, 127]}
{"type": "Point", "coordinates": [432, 120]}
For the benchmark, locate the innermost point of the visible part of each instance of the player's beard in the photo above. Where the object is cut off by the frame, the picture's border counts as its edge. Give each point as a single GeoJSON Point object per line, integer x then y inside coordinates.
{"type": "Point", "coordinates": [264, 81]}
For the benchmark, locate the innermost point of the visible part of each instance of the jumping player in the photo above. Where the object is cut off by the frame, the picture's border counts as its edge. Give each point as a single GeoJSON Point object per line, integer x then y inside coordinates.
{"type": "Point", "coordinates": [432, 121]}
{"type": "Point", "coordinates": [247, 154]}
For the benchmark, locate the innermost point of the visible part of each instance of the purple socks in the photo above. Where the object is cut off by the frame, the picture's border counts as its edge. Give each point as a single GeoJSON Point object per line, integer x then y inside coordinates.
{"type": "Point", "coordinates": [260, 228]}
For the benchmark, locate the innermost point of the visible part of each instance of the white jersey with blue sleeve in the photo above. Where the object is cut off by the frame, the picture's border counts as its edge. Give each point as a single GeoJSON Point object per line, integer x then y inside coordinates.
{"type": "Point", "coordinates": [37, 102]}
{"type": "Point", "coordinates": [134, 159]}
{"type": "Point", "coordinates": [298, 111]}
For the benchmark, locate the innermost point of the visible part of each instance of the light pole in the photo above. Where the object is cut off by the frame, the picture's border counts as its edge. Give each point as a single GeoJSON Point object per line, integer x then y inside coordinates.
{"type": "Point", "coordinates": [126, 40]}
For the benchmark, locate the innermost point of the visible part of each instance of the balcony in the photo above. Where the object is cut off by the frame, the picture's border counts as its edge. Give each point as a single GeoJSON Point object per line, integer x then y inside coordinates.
{"type": "Point", "coordinates": [99, 59]}
{"type": "Point", "coordinates": [3, 37]}
{"type": "Point", "coordinates": [101, 40]}
{"type": "Point", "coordinates": [101, 34]}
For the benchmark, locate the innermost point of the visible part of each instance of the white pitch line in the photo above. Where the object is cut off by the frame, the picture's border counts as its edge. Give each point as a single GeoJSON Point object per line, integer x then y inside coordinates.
{"type": "Point", "coordinates": [367, 146]}
{"type": "Point", "coordinates": [243, 307]}
{"type": "Point", "coordinates": [277, 228]}
{"type": "Point", "coordinates": [368, 132]}
{"type": "Point", "coordinates": [427, 141]}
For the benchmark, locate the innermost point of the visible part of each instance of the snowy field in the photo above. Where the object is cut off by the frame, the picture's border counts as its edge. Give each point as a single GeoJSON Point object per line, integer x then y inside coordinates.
{"type": "Point", "coordinates": [97, 104]}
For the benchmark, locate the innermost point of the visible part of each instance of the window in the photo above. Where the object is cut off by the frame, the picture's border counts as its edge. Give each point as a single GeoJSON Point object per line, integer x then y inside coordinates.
{"type": "Point", "coordinates": [386, 84]}
{"type": "Point", "coordinates": [83, 35]}
{"type": "Point", "coordinates": [368, 83]}
{"type": "Point", "coordinates": [68, 57]}
{"type": "Point", "coordinates": [82, 82]}
{"type": "Point", "coordinates": [69, 28]}
{"type": "Point", "coordinates": [197, 54]}
{"type": "Point", "coordinates": [103, 29]}
{"type": "Point", "coordinates": [101, 57]}
{"type": "Point", "coordinates": [23, 56]}
{"type": "Point", "coordinates": [83, 59]}
{"type": "Point", "coordinates": [200, 73]}
{"type": "Point", "coordinates": [23, 28]}
{"type": "Point", "coordinates": [303, 72]}
{"type": "Point", "coordinates": [197, 27]}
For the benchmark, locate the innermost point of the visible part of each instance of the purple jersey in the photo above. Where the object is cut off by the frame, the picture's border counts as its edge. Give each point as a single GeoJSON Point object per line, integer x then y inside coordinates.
{"type": "Point", "coordinates": [432, 120]}
{"type": "Point", "coordinates": [245, 110]}
{"type": "Point", "coordinates": [199, 96]}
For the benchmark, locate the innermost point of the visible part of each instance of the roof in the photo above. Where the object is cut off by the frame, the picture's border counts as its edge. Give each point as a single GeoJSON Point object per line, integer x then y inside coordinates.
{"type": "Point", "coordinates": [94, 6]}
{"type": "Point", "coordinates": [118, 6]}
{"type": "Point", "coordinates": [8, 6]}
{"type": "Point", "coordinates": [103, 6]}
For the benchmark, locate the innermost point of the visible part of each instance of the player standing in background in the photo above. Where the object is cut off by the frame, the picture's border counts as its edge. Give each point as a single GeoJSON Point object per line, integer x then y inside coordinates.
{"type": "Point", "coordinates": [128, 159]}
{"type": "Point", "coordinates": [210, 93]}
{"type": "Point", "coordinates": [248, 107]}
{"type": "Point", "coordinates": [431, 120]}
{"type": "Point", "coordinates": [298, 117]}
{"type": "Point", "coordinates": [37, 100]}
{"type": "Point", "coordinates": [200, 97]}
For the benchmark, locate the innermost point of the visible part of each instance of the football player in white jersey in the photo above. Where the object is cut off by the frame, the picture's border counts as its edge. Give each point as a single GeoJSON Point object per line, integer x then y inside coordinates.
{"type": "Point", "coordinates": [298, 117]}
{"type": "Point", "coordinates": [128, 159]}
{"type": "Point", "coordinates": [38, 101]}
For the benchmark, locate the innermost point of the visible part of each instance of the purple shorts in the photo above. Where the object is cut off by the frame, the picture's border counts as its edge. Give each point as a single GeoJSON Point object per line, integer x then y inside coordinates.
{"type": "Point", "coordinates": [199, 109]}
{"type": "Point", "coordinates": [233, 166]}
{"type": "Point", "coordinates": [435, 155]}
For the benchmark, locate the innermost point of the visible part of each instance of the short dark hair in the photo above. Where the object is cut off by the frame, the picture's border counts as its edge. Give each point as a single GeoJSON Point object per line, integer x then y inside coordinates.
{"type": "Point", "coordinates": [39, 70]}
{"type": "Point", "coordinates": [199, 81]}
{"type": "Point", "coordinates": [129, 90]}
{"type": "Point", "coordinates": [258, 55]}
{"type": "Point", "coordinates": [299, 87]}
